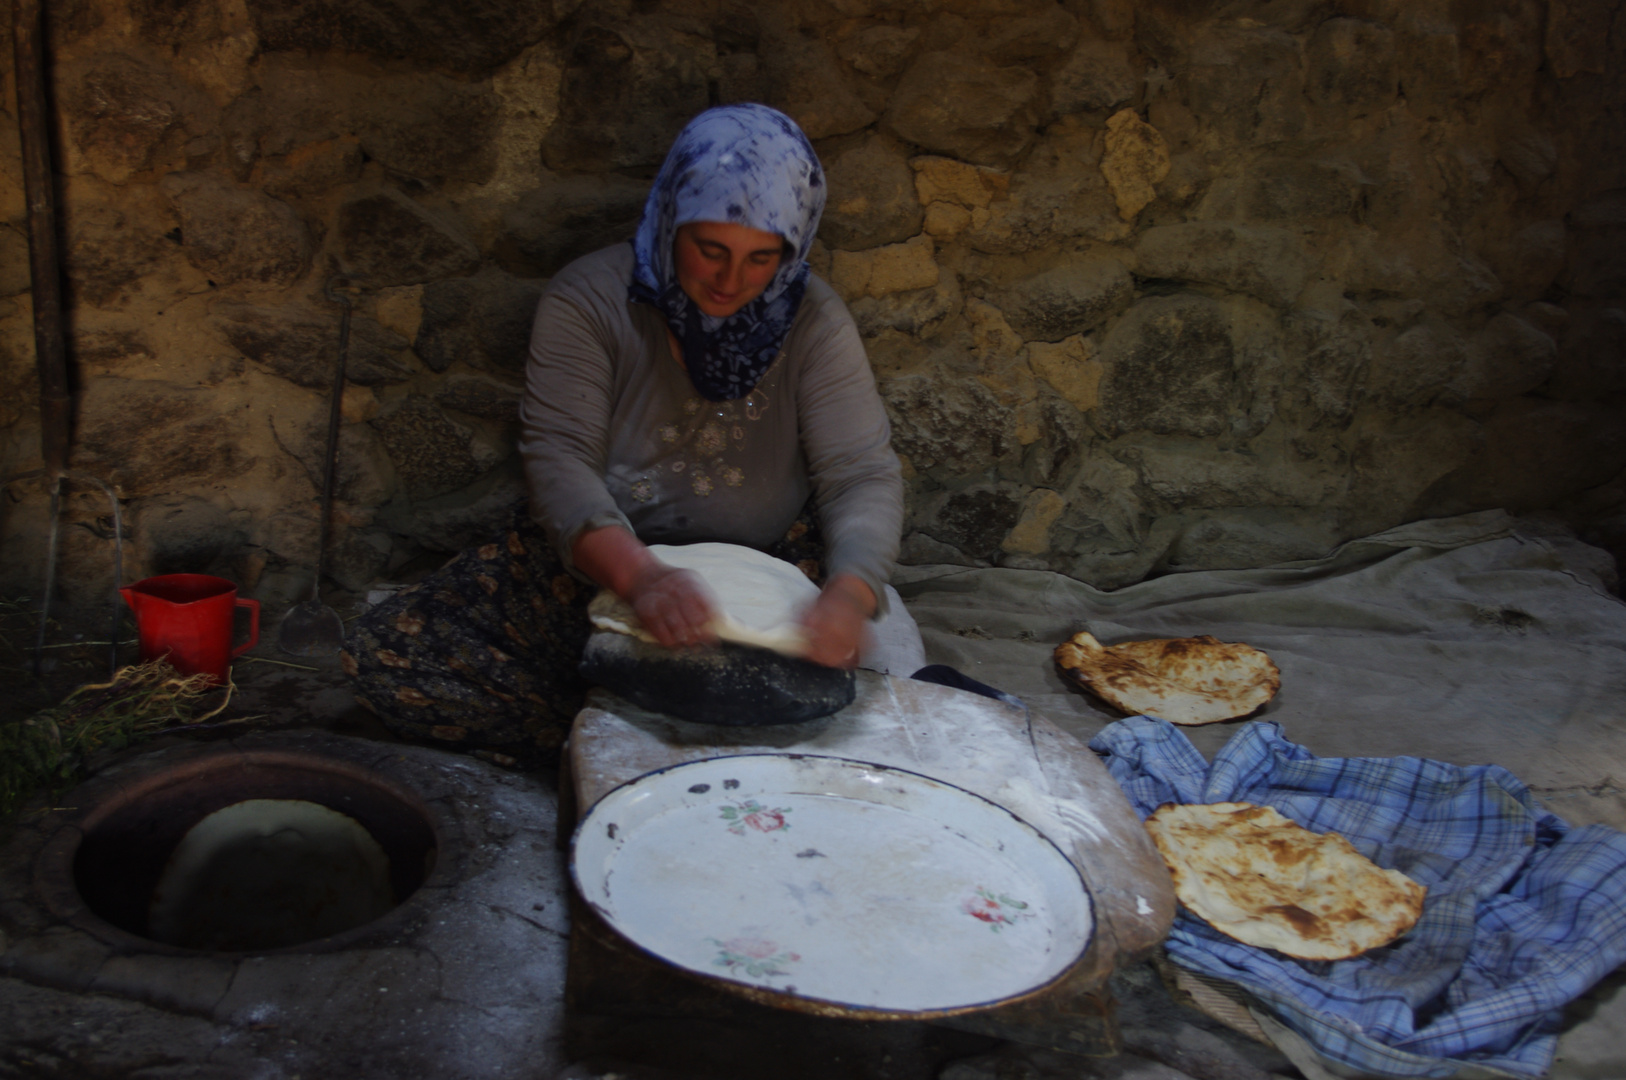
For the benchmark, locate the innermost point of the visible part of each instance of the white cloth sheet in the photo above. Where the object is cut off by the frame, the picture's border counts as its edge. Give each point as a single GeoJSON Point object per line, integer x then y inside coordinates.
{"type": "Point", "coordinates": [1461, 639]}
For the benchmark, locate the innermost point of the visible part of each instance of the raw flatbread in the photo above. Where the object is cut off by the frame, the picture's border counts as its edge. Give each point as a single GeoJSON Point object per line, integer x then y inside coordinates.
{"type": "Point", "coordinates": [757, 597]}
{"type": "Point", "coordinates": [1197, 680]}
{"type": "Point", "coordinates": [1262, 879]}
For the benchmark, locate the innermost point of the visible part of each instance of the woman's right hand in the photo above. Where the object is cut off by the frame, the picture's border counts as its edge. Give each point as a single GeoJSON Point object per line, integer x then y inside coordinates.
{"type": "Point", "coordinates": [674, 605]}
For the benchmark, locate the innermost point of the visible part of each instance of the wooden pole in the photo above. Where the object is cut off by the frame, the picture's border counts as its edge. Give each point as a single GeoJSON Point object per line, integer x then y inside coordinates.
{"type": "Point", "coordinates": [33, 123]}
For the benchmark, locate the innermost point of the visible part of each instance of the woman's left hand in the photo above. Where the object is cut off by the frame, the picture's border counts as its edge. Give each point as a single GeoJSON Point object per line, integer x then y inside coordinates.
{"type": "Point", "coordinates": [835, 624]}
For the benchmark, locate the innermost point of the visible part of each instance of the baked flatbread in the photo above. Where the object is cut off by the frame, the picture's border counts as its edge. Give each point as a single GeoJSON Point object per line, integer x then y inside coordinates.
{"type": "Point", "coordinates": [758, 598]}
{"type": "Point", "coordinates": [1253, 875]}
{"type": "Point", "coordinates": [1198, 680]}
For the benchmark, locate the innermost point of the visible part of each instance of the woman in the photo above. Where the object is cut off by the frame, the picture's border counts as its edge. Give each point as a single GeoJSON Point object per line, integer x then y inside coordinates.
{"type": "Point", "coordinates": [698, 384]}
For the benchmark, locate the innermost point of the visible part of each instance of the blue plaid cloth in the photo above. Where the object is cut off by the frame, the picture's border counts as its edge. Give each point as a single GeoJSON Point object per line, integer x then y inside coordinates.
{"type": "Point", "coordinates": [1523, 913]}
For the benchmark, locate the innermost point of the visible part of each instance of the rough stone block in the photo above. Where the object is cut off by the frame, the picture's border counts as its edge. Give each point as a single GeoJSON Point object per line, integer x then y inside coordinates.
{"type": "Point", "coordinates": [1096, 77]}
{"type": "Point", "coordinates": [627, 91]}
{"type": "Point", "coordinates": [429, 127]}
{"type": "Point", "coordinates": [1597, 265]}
{"type": "Point", "coordinates": [1071, 299]}
{"type": "Point", "coordinates": [1501, 48]}
{"type": "Point", "coordinates": [1413, 367]}
{"type": "Point", "coordinates": [1530, 260]}
{"type": "Point", "coordinates": [944, 221]}
{"type": "Point", "coordinates": [112, 246]}
{"type": "Point", "coordinates": [314, 168]}
{"type": "Point", "coordinates": [150, 436]}
{"type": "Point", "coordinates": [1184, 474]}
{"type": "Point", "coordinates": [965, 107]}
{"type": "Point", "coordinates": [1528, 154]}
{"type": "Point", "coordinates": [119, 112]}
{"type": "Point", "coordinates": [1592, 359]}
{"type": "Point", "coordinates": [941, 179]}
{"type": "Point", "coordinates": [1239, 537]}
{"type": "Point", "coordinates": [885, 270]}
{"type": "Point", "coordinates": [975, 520]}
{"type": "Point", "coordinates": [1171, 368]}
{"type": "Point", "coordinates": [1059, 193]}
{"type": "Point", "coordinates": [482, 397]}
{"type": "Point", "coordinates": [1046, 32]}
{"type": "Point", "coordinates": [393, 240]}
{"type": "Point", "coordinates": [473, 37]}
{"type": "Point", "coordinates": [1246, 84]}
{"type": "Point", "coordinates": [872, 196]}
{"type": "Point", "coordinates": [1261, 261]}
{"type": "Point", "coordinates": [1135, 162]}
{"type": "Point", "coordinates": [483, 320]}
{"type": "Point", "coordinates": [914, 312]}
{"type": "Point", "coordinates": [566, 218]}
{"type": "Point", "coordinates": [878, 51]}
{"type": "Point", "coordinates": [432, 454]}
{"type": "Point", "coordinates": [363, 474]}
{"type": "Point", "coordinates": [14, 275]}
{"type": "Point", "coordinates": [1291, 189]}
{"type": "Point", "coordinates": [1031, 533]}
{"type": "Point", "coordinates": [181, 534]}
{"type": "Point", "coordinates": [1537, 452]}
{"type": "Point", "coordinates": [1429, 63]}
{"type": "Point", "coordinates": [1575, 39]}
{"type": "Point", "coordinates": [234, 235]}
{"type": "Point", "coordinates": [301, 344]}
{"type": "Point", "coordinates": [1395, 461]}
{"type": "Point", "coordinates": [959, 426]}
{"type": "Point", "coordinates": [457, 519]}
{"type": "Point", "coordinates": [1071, 368]}
{"type": "Point", "coordinates": [1507, 357]}
{"type": "Point", "coordinates": [808, 85]}
{"type": "Point", "coordinates": [1329, 349]}
{"type": "Point", "coordinates": [1425, 260]}
{"type": "Point", "coordinates": [1351, 63]}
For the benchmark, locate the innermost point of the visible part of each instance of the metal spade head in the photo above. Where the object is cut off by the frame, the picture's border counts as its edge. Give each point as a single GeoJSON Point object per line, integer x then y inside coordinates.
{"type": "Point", "coordinates": [311, 629]}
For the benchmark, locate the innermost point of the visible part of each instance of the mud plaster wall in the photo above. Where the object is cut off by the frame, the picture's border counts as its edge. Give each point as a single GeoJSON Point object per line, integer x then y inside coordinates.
{"type": "Point", "coordinates": [1146, 287]}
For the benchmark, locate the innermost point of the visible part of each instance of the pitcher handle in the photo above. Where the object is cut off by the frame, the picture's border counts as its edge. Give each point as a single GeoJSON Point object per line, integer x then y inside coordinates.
{"type": "Point", "coordinates": [253, 628]}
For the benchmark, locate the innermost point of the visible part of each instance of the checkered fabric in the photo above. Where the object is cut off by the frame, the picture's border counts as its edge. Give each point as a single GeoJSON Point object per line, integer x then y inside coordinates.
{"type": "Point", "coordinates": [1523, 912]}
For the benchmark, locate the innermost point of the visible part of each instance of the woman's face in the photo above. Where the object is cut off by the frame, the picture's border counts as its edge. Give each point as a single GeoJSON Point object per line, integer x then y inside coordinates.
{"type": "Point", "coordinates": [722, 266]}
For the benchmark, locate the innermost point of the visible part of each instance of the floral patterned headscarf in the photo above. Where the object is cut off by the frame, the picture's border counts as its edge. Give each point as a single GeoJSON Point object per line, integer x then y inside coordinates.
{"type": "Point", "coordinates": [746, 165]}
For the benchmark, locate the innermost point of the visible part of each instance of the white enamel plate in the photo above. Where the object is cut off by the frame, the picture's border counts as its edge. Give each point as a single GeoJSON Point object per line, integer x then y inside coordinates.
{"type": "Point", "coordinates": [835, 880]}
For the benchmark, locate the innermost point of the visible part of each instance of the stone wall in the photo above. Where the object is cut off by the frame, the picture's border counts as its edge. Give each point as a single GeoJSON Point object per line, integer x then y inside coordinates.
{"type": "Point", "coordinates": [1147, 287]}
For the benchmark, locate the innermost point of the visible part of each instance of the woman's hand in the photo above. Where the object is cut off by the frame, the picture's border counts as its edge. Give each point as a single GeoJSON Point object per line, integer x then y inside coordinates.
{"type": "Point", "coordinates": [674, 605]}
{"type": "Point", "coordinates": [835, 624]}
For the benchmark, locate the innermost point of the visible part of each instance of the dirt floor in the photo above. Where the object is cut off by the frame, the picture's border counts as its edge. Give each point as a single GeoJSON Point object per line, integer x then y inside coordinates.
{"type": "Point", "coordinates": [273, 692]}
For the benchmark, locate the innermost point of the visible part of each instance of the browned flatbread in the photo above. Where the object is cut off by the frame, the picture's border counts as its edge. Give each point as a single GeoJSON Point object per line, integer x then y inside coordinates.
{"type": "Point", "coordinates": [1197, 680]}
{"type": "Point", "coordinates": [1253, 875]}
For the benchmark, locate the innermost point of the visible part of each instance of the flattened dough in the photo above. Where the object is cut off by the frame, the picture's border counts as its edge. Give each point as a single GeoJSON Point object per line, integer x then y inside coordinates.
{"type": "Point", "coordinates": [758, 597]}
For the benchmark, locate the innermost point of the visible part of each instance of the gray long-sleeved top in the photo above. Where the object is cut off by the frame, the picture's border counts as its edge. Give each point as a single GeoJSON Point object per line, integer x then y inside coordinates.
{"type": "Point", "coordinates": [613, 432]}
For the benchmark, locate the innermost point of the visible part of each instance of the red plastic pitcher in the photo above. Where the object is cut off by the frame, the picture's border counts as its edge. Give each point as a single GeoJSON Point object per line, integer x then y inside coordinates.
{"type": "Point", "coordinates": [188, 618]}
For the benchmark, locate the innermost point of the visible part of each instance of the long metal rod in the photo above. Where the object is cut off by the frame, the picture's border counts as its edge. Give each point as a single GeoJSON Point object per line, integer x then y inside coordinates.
{"type": "Point", "coordinates": [50, 358]}
{"type": "Point", "coordinates": [50, 574]}
{"type": "Point", "coordinates": [331, 451]}
{"type": "Point", "coordinates": [33, 124]}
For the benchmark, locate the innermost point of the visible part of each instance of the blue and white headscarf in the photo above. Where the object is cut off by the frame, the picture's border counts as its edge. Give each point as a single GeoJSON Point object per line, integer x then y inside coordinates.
{"type": "Point", "coordinates": [746, 165]}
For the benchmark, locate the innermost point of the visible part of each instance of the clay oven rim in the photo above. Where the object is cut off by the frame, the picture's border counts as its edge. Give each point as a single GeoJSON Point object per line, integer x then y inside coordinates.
{"type": "Point", "coordinates": [97, 800]}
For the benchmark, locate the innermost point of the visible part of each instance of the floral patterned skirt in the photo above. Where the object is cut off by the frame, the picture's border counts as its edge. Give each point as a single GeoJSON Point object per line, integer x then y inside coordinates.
{"type": "Point", "coordinates": [482, 654]}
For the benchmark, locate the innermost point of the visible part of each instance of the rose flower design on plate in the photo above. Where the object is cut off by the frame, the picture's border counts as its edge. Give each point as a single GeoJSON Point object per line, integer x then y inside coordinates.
{"type": "Point", "coordinates": [751, 814]}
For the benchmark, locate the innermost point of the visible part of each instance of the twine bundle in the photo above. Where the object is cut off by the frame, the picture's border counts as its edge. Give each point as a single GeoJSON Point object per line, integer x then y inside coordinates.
{"type": "Point", "coordinates": [141, 701]}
